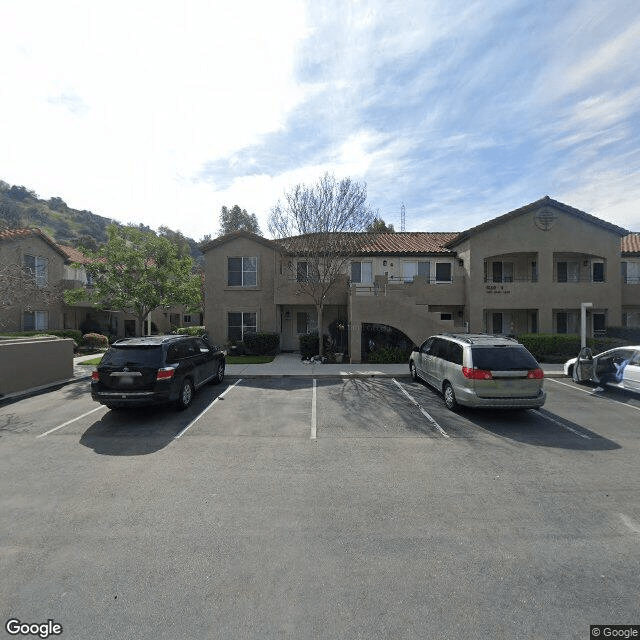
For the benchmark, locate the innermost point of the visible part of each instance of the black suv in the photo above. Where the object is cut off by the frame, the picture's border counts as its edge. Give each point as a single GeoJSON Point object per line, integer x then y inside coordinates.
{"type": "Point", "coordinates": [156, 369]}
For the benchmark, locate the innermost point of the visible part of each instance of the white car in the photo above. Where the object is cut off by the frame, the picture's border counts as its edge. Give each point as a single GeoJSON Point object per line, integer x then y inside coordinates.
{"type": "Point", "coordinates": [619, 367]}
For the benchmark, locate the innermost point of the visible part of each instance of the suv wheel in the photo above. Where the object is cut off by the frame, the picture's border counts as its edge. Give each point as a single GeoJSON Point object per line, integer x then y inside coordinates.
{"type": "Point", "coordinates": [220, 375]}
{"type": "Point", "coordinates": [186, 394]}
{"type": "Point", "coordinates": [412, 370]}
{"type": "Point", "coordinates": [449, 397]}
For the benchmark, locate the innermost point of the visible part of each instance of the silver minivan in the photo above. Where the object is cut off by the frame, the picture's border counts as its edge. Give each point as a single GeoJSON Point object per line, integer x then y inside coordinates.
{"type": "Point", "coordinates": [479, 370]}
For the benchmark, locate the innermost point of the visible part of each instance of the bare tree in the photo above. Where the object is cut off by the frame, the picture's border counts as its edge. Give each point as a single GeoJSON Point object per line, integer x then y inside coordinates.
{"type": "Point", "coordinates": [24, 289]}
{"type": "Point", "coordinates": [324, 225]}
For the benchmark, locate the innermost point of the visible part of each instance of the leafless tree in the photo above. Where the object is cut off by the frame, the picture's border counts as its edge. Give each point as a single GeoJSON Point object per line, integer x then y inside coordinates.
{"type": "Point", "coordinates": [23, 289]}
{"type": "Point", "coordinates": [323, 225]}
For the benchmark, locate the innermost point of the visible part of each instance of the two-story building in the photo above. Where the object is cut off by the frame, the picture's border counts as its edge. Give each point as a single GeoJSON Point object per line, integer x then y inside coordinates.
{"type": "Point", "coordinates": [525, 271]}
{"type": "Point", "coordinates": [34, 273]}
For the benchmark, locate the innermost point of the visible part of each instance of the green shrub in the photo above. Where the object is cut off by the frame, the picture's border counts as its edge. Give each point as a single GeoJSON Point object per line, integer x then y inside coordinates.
{"type": "Point", "coordinates": [95, 341]}
{"type": "Point", "coordinates": [192, 331]}
{"type": "Point", "coordinates": [262, 344]}
{"type": "Point", "coordinates": [388, 355]}
{"type": "Point", "coordinates": [558, 347]}
{"type": "Point", "coordinates": [66, 333]}
{"type": "Point", "coordinates": [309, 344]}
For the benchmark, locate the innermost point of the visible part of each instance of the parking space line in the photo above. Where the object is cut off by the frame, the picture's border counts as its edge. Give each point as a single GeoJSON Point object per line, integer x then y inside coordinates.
{"type": "Point", "coordinates": [68, 422]}
{"type": "Point", "coordinates": [222, 395]}
{"type": "Point", "coordinates": [560, 424]}
{"type": "Point", "coordinates": [594, 394]}
{"type": "Point", "coordinates": [424, 413]}
{"type": "Point", "coordinates": [314, 414]}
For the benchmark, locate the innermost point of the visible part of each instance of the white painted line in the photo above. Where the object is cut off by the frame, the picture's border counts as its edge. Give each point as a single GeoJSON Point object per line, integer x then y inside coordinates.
{"type": "Point", "coordinates": [222, 395]}
{"type": "Point", "coordinates": [424, 413]}
{"type": "Point", "coordinates": [594, 394]}
{"type": "Point", "coordinates": [631, 524]}
{"type": "Point", "coordinates": [313, 412]}
{"type": "Point", "coordinates": [68, 422]}
{"type": "Point", "coordinates": [561, 424]}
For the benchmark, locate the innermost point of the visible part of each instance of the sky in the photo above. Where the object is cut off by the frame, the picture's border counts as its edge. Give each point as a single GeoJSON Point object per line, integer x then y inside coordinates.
{"type": "Point", "coordinates": [162, 112]}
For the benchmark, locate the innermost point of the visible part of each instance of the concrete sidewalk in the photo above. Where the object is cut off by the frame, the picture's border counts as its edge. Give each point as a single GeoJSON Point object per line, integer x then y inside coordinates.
{"type": "Point", "coordinates": [290, 365]}
{"type": "Point", "coordinates": [283, 365]}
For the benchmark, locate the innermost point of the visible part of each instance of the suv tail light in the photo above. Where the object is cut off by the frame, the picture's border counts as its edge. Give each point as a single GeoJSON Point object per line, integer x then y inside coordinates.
{"type": "Point", "coordinates": [95, 375]}
{"type": "Point", "coordinates": [476, 374]}
{"type": "Point", "coordinates": [166, 373]}
{"type": "Point", "coordinates": [535, 374]}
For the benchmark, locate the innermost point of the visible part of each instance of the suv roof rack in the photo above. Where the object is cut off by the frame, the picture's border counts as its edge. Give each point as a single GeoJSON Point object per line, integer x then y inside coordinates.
{"type": "Point", "coordinates": [474, 338]}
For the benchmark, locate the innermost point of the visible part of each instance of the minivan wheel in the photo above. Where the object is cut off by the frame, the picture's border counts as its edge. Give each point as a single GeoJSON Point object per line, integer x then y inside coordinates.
{"type": "Point", "coordinates": [186, 394]}
{"type": "Point", "coordinates": [414, 373]}
{"type": "Point", "coordinates": [449, 397]}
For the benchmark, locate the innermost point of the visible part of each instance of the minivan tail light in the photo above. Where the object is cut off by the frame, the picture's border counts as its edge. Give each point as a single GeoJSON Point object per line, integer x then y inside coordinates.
{"type": "Point", "coordinates": [95, 375]}
{"type": "Point", "coordinates": [535, 374]}
{"type": "Point", "coordinates": [476, 374]}
{"type": "Point", "coordinates": [166, 373]}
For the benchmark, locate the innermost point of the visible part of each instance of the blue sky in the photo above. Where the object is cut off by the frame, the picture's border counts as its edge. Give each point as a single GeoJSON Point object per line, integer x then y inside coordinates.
{"type": "Point", "coordinates": [163, 112]}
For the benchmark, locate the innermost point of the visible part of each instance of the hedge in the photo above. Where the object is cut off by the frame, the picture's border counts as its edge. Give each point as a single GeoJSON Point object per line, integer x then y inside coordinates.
{"type": "Point", "coordinates": [558, 347]}
{"type": "Point", "coordinates": [261, 344]}
{"type": "Point", "coordinates": [309, 344]}
{"type": "Point", "coordinates": [66, 333]}
{"type": "Point", "coordinates": [388, 355]}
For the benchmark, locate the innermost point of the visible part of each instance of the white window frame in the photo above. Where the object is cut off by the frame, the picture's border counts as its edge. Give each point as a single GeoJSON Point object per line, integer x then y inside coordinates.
{"type": "Point", "coordinates": [249, 265]}
{"type": "Point", "coordinates": [365, 278]}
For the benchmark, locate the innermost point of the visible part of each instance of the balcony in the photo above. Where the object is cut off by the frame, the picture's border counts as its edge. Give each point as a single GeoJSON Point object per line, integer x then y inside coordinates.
{"type": "Point", "coordinates": [287, 290]}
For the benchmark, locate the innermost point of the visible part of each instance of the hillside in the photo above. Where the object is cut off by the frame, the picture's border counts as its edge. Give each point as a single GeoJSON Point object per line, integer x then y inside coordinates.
{"type": "Point", "coordinates": [21, 207]}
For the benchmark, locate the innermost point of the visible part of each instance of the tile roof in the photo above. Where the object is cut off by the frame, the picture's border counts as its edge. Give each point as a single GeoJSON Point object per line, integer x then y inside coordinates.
{"type": "Point", "coordinates": [630, 244]}
{"type": "Point", "coordinates": [75, 255]}
{"type": "Point", "coordinates": [401, 243]}
{"type": "Point", "coordinates": [17, 234]}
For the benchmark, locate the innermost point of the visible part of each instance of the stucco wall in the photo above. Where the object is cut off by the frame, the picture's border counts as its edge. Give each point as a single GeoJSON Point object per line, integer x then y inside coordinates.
{"type": "Point", "coordinates": [26, 363]}
{"type": "Point", "coordinates": [220, 299]}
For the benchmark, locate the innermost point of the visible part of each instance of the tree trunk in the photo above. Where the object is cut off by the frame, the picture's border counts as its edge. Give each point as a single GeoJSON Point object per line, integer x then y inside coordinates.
{"type": "Point", "coordinates": [320, 333]}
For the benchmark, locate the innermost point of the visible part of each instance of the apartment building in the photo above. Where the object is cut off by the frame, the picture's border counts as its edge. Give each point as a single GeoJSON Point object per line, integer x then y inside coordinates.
{"type": "Point", "coordinates": [525, 271]}
{"type": "Point", "coordinates": [34, 273]}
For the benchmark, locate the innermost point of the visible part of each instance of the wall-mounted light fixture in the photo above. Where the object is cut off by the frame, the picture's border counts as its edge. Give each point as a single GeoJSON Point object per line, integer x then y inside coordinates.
{"type": "Point", "coordinates": [287, 315]}
{"type": "Point", "coordinates": [384, 263]}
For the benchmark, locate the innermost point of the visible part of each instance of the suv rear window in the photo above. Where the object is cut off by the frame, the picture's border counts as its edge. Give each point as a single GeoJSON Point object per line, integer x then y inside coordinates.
{"type": "Point", "coordinates": [141, 356]}
{"type": "Point", "coordinates": [496, 358]}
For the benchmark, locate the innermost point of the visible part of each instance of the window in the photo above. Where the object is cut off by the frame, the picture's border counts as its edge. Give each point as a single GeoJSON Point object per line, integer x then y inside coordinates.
{"type": "Point", "coordinates": [597, 271]}
{"type": "Point", "coordinates": [302, 271]}
{"type": "Point", "coordinates": [501, 271]}
{"type": "Point", "coordinates": [568, 271]}
{"type": "Point", "coordinates": [187, 318]}
{"type": "Point", "coordinates": [240, 323]}
{"type": "Point", "coordinates": [36, 268]}
{"type": "Point", "coordinates": [302, 322]}
{"type": "Point", "coordinates": [361, 272]}
{"type": "Point", "coordinates": [599, 323]}
{"type": "Point", "coordinates": [630, 272]}
{"type": "Point", "coordinates": [242, 272]}
{"type": "Point", "coordinates": [412, 269]}
{"type": "Point", "coordinates": [446, 316]}
{"type": "Point", "coordinates": [567, 322]}
{"type": "Point", "coordinates": [35, 320]}
{"type": "Point", "coordinates": [443, 272]}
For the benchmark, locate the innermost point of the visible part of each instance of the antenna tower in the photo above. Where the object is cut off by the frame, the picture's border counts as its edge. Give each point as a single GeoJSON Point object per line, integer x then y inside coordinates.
{"type": "Point", "coordinates": [403, 212]}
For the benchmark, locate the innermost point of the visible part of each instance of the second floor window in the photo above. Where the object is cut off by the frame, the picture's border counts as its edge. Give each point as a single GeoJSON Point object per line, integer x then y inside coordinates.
{"type": "Point", "coordinates": [443, 272]}
{"type": "Point", "coordinates": [242, 272]}
{"type": "Point", "coordinates": [361, 272]}
{"type": "Point", "coordinates": [568, 272]}
{"type": "Point", "coordinates": [412, 269]}
{"type": "Point", "coordinates": [630, 272]}
{"type": "Point", "coordinates": [36, 268]}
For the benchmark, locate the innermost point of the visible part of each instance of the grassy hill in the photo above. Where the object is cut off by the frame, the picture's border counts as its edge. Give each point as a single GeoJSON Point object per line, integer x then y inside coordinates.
{"type": "Point", "coordinates": [21, 207]}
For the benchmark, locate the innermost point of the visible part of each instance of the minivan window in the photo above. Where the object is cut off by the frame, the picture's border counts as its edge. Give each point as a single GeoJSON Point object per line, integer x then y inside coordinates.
{"type": "Point", "coordinates": [495, 358]}
{"type": "Point", "coordinates": [118, 356]}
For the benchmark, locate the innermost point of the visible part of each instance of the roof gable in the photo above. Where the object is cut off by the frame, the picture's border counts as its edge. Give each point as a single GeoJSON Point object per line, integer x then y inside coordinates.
{"type": "Point", "coordinates": [19, 234]}
{"type": "Point", "coordinates": [234, 235]}
{"type": "Point", "coordinates": [544, 202]}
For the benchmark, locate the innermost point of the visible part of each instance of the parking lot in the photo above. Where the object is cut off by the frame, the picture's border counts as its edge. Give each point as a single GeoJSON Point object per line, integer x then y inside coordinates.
{"type": "Point", "coordinates": [321, 508]}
